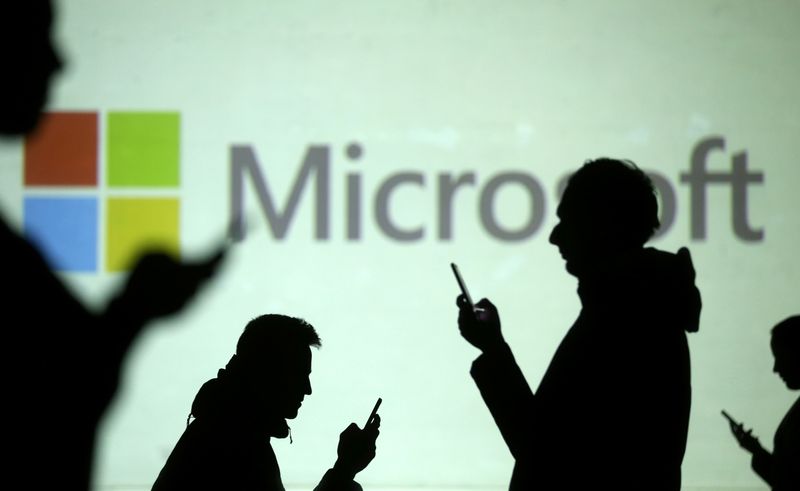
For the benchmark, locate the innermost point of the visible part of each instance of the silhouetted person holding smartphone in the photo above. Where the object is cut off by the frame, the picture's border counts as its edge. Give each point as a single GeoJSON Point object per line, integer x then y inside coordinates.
{"type": "Point", "coordinates": [227, 445]}
{"type": "Point", "coordinates": [62, 360]}
{"type": "Point", "coordinates": [612, 410]}
{"type": "Point", "coordinates": [781, 468]}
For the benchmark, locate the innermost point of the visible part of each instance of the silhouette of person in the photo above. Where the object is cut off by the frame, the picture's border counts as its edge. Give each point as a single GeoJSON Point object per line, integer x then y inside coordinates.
{"type": "Point", "coordinates": [612, 409]}
{"type": "Point", "coordinates": [227, 444]}
{"type": "Point", "coordinates": [62, 360]}
{"type": "Point", "coordinates": [781, 468]}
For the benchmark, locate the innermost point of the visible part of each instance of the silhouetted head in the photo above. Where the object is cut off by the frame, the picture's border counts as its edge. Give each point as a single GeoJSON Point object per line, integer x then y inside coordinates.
{"type": "Point", "coordinates": [274, 357]}
{"type": "Point", "coordinates": [29, 61]}
{"type": "Point", "coordinates": [785, 345]}
{"type": "Point", "coordinates": [609, 208]}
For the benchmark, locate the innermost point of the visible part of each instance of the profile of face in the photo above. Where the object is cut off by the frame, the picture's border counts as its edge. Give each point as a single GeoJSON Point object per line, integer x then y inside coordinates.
{"type": "Point", "coordinates": [283, 390]}
{"type": "Point", "coordinates": [580, 235]}
{"type": "Point", "coordinates": [30, 61]}
{"type": "Point", "coordinates": [787, 364]}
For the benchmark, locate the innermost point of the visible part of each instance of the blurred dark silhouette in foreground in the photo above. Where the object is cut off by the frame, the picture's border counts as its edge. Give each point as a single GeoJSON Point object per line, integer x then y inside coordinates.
{"type": "Point", "coordinates": [63, 360]}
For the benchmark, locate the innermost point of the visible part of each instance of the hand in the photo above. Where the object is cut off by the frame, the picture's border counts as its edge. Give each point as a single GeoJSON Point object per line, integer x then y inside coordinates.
{"type": "Point", "coordinates": [745, 438]}
{"type": "Point", "coordinates": [160, 285]}
{"type": "Point", "coordinates": [357, 448]}
{"type": "Point", "coordinates": [481, 327]}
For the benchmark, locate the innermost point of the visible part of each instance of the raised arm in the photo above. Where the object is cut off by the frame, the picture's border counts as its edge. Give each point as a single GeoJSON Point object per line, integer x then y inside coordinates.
{"type": "Point", "coordinates": [497, 375]}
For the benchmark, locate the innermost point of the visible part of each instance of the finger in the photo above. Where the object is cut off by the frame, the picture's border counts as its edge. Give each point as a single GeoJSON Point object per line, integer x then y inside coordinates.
{"type": "Point", "coordinates": [214, 261]}
{"type": "Point", "coordinates": [211, 264]}
{"type": "Point", "coordinates": [352, 427]}
{"type": "Point", "coordinates": [486, 304]}
{"type": "Point", "coordinates": [371, 436]}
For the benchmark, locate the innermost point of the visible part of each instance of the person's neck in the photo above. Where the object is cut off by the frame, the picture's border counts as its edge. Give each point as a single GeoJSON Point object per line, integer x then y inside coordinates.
{"type": "Point", "coordinates": [606, 266]}
{"type": "Point", "coordinates": [601, 274]}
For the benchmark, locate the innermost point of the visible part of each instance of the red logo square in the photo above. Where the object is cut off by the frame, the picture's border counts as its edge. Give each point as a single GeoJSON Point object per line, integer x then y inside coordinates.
{"type": "Point", "coordinates": [63, 150]}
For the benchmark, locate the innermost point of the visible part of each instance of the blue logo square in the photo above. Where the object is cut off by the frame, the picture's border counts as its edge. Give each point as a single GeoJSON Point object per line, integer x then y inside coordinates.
{"type": "Point", "coordinates": [65, 231]}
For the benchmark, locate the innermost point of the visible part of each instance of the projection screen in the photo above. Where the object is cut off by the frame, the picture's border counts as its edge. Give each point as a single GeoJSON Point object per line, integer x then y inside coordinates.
{"type": "Point", "coordinates": [363, 146]}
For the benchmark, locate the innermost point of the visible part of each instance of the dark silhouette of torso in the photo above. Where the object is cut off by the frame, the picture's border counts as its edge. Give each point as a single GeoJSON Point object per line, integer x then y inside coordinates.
{"type": "Point", "coordinates": [612, 409]}
{"type": "Point", "coordinates": [782, 466]}
{"type": "Point", "coordinates": [55, 395]}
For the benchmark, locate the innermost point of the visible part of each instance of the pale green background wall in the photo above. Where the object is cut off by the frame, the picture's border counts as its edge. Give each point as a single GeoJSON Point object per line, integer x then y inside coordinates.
{"type": "Point", "coordinates": [434, 86]}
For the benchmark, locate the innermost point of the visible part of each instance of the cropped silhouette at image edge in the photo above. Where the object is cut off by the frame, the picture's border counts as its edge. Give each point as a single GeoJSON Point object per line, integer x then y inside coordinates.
{"type": "Point", "coordinates": [780, 468]}
{"type": "Point", "coordinates": [612, 409]}
{"type": "Point", "coordinates": [66, 359]}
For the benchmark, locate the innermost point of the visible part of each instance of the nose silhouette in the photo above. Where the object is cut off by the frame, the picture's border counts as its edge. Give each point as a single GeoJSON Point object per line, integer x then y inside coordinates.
{"type": "Point", "coordinates": [555, 234]}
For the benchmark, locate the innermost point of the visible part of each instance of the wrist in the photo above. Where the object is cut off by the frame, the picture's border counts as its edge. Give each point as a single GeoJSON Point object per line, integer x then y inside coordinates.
{"type": "Point", "coordinates": [758, 451]}
{"type": "Point", "coordinates": [345, 471]}
{"type": "Point", "coordinates": [123, 311]}
{"type": "Point", "coordinates": [494, 346]}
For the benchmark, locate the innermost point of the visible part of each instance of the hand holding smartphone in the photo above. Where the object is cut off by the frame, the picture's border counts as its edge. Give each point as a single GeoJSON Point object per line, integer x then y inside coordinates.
{"type": "Point", "coordinates": [744, 437]}
{"type": "Point", "coordinates": [357, 445]}
{"type": "Point", "coordinates": [480, 324]}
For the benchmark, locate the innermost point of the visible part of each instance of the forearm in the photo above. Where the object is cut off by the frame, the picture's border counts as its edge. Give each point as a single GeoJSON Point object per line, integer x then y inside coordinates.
{"type": "Point", "coordinates": [123, 320]}
{"type": "Point", "coordinates": [507, 395]}
{"type": "Point", "coordinates": [762, 465]}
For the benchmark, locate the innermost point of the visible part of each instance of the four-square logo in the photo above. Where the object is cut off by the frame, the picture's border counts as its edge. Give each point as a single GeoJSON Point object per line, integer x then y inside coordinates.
{"type": "Point", "coordinates": [97, 193]}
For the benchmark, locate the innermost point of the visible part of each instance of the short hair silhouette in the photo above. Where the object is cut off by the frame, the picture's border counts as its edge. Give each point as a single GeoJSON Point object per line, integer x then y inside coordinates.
{"type": "Point", "coordinates": [621, 191]}
{"type": "Point", "coordinates": [271, 334]}
{"type": "Point", "coordinates": [785, 344]}
{"type": "Point", "coordinates": [787, 333]}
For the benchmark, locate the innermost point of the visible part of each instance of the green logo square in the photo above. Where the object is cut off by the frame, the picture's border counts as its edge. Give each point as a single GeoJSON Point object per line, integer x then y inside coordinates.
{"type": "Point", "coordinates": [143, 149]}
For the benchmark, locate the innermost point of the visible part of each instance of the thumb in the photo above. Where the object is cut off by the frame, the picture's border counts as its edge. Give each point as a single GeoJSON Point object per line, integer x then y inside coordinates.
{"type": "Point", "coordinates": [486, 305]}
{"type": "Point", "coordinates": [351, 428]}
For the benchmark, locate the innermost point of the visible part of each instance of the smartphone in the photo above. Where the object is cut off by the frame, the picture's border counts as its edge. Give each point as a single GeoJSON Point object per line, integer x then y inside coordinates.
{"type": "Point", "coordinates": [462, 285]}
{"type": "Point", "coordinates": [730, 418]}
{"type": "Point", "coordinates": [374, 412]}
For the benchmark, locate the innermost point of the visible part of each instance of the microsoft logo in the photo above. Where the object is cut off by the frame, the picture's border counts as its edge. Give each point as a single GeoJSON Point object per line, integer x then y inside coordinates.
{"type": "Point", "coordinates": [98, 191]}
